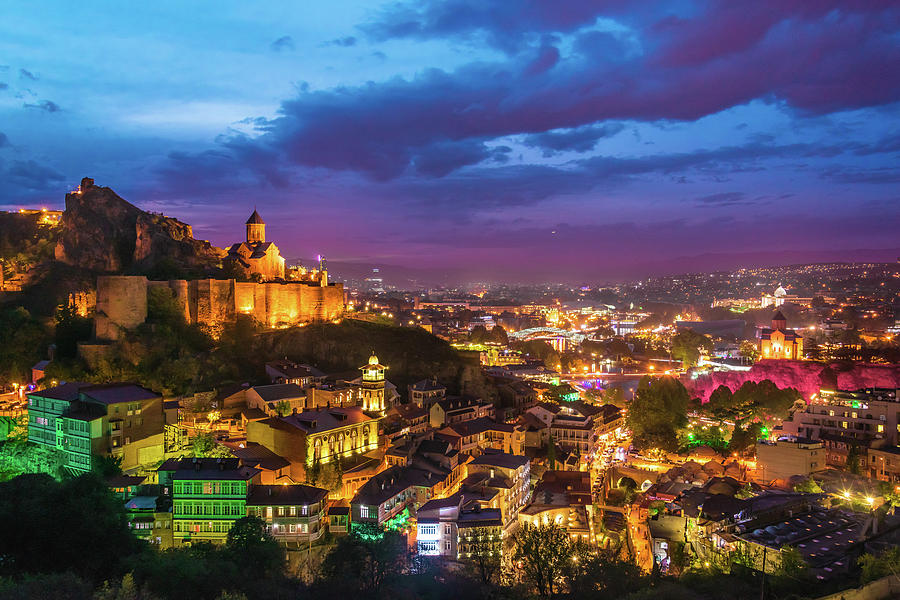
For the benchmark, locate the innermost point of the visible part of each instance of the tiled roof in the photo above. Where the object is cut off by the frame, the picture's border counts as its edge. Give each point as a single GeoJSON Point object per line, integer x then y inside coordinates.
{"type": "Point", "coordinates": [264, 495]}
{"type": "Point", "coordinates": [316, 421]}
{"type": "Point", "coordinates": [279, 391]}
{"type": "Point", "coordinates": [116, 393]}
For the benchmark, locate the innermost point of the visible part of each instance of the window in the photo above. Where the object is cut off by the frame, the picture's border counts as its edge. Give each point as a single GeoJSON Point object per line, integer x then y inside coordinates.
{"type": "Point", "coordinates": [447, 545]}
{"type": "Point", "coordinates": [280, 511]}
{"type": "Point", "coordinates": [293, 528]}
{"type": "Point", "coordinates": [304, 510]}
{"type": "Point", "coordinates": [365, 512]}
{"type": "Point", "coordinates": [427, 529]}
{"type": "Point", "coordinates": [447, 529]}
{"type": "Point", "coordinates": [293, 511]}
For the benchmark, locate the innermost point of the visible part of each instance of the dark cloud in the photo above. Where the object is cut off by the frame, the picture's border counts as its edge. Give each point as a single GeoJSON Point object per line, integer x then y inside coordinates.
{"type": "Point", "coordinates": [27, 75]}
{"type": "Point", "coordinates": [724, 199]}
{"type": "Point", "coordinates": [578, 139]}
{"type": "Point", "coordinates": [284, 43]}
{"type": "Point", "coordinates": [852, 175]}
{"type": "Point", "coordinates": [342, 42]}
{"type": "Point", "coordinates": [47, 105]}
{"type": "Point", "coordinates": [505, 24]}
{"type": "Point", "coordinates": [887, 144]}
{"type": "Point", "coordinates": [382, 129]}
{"type": "Point", "coordinates": [32, 175]}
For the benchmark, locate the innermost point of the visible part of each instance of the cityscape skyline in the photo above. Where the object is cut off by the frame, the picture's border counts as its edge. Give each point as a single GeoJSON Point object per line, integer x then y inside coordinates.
{"type": "Point", "coordinates": [430, 136]}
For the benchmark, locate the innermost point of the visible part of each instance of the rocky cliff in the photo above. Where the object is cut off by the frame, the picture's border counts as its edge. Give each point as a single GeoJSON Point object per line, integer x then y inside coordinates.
{"type": "Point", "coordinates": [102, 232]}
{"type": "Point", "coordinates": [807, 377]}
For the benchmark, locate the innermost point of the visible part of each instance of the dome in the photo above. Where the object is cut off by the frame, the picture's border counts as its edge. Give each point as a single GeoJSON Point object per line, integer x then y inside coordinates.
{"type": "Point", "coordinates": [255, 219]}
{"type": "Point", "coordinates": [780, 292]}
{"type": "Point", "coordinates": [373, 360]}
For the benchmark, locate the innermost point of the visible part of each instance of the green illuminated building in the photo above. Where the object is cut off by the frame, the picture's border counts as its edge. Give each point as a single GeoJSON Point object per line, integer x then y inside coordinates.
{"type": "Point", "coordinates": [208, 496]}
{"type": "Point", "coordinates": [83, 421]}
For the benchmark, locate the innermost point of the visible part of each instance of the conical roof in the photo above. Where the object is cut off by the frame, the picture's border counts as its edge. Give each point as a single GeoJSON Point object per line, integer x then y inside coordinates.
{"type": "Point", "coordinates": [779, 317]}
{"type": "Point", "coordinates": [255, 219]}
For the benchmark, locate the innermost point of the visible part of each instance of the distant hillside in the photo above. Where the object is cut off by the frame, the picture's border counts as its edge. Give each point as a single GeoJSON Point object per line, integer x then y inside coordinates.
{"type": "Point", "coordinates": [410, 354]}
{"type": "Point", "coordinates": [102, 232]}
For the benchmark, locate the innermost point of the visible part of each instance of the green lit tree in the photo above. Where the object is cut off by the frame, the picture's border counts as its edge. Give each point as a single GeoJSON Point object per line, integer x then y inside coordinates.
{"type": "Point", "coordinates": [687, 346]}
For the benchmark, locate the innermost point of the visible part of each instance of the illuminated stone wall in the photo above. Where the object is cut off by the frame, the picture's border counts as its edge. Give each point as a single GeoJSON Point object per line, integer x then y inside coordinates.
{"type": "Point", "coordinates": [122, 302]}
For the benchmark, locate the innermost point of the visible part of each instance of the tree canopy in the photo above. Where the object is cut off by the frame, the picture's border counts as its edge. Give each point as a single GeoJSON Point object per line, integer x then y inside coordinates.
{"type": "Point", "coordinates": [687, 345]}
{"type": "Point", "coordinates": [658, 411]}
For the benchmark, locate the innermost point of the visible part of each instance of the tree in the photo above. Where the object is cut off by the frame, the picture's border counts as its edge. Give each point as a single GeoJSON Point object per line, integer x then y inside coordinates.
{"type": "Point", "coordinates": [483, 553]}
{"type": "Point", "coordinates": [748, 350]}
{"type": "Point", "coordinates": [478, 335]}
{"type": "Point", "coordinates": [657, 412]}
{"type": "Point", "coordinates": [614, 396]}
{"type": "Point", "coordinates": [808, 486]}
{"type": "Point", "coordinates": [205, 446]}
{"type": "Point", "coordinates": [71, 328]}
{"type": "Point", "coordinates": [90, 535]}
{"type": "Point", "coordinates": [853, 456]}
{"type": "Point", "coordinates": [498, 336]}
{"type": "Point", "coordinates": [891, 494]}
{"type": "Point", "coordinates": [364, 561]}
{"type": "Point", "coordinates": [687, 346]}
{"type": "Point", "coordinates": [877, 566]}
{"type": "Point", "coordinates": [251, 545]}
{"type": "Point", "coordinates": [127, 589]}
{"type": "Point", "coordinates": [543, 552]}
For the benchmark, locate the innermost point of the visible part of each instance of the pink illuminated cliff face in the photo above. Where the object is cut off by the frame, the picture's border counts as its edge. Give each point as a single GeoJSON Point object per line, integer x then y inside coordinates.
{"type": "Point", "coordinates": [806, 377]}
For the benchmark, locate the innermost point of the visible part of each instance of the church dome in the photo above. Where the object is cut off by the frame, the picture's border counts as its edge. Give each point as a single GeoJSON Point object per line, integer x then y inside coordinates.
{"type": "Point", "coordinates": [373, 360]}
{"type": "Point", "coordinates": [780, 292]}
{"type": "Point", "coordinates": [255, 219]}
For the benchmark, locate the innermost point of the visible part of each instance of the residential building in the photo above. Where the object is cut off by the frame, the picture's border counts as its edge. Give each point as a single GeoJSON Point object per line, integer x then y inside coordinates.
{"type": "Point", "coordinates": [84, 421]}
{"type": "Point", "coordinates": [316, 435]}
{"type": "Point", "coordinates": [455, 409]}
{"type": "Point", "coordinates": [287, 371]}
{"type": "Point", "coordinates": [864, 415]}
{"type": "Point", "coordinates": [508, 474]}
{"type": "Point", "coordinates": [208, 496]}
{"type": "Point", "coordinates": [457, 527]}
{"type": "Point", "coordinates": [788, 457]}
{"type": "Point", "coordinates": [150, 519]}
{"type": "Point", "coordinates": [294, 514]}
{"type": "Point", "coordinates": [883, 464]}
{"type": "Point", "coordinates": [388, 494]}
{"type": "Point", "coordinates": [404, 419]}
{"type": "Point", "coordinates": [278, 399]}
{"type": "Point", "coordinates": [482, 434]}
{"type": "Point", "coordinates": [272, 468]}
{"type": "Point", "coordinates": [426, 392]}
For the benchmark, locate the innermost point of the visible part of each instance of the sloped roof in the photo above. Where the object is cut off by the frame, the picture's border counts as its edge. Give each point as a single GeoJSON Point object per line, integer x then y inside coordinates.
{"type": "Point", "coordinates": [263, 495]}
{"type": "Point", "coordinates": [278, 391]}
{"type": "Point", "coordinates": [116, 393]}
{"type": "Point", "coordinates": [255, 219]}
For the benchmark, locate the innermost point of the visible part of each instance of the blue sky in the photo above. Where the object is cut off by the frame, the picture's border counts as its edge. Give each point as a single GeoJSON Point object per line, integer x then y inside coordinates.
{"type": "Point", "coordinates": [515, 140]}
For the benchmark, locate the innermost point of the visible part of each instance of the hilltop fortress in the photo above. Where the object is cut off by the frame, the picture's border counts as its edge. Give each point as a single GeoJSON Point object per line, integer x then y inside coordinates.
{"type": "Point", "coordinates": [122, 302]}
{"type": "Point", "coordinates": [102, 232]}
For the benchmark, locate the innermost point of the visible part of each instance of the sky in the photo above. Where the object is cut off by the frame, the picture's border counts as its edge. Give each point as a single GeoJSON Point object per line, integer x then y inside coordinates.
{"type": "Point", "coordinates": [514, 140]}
